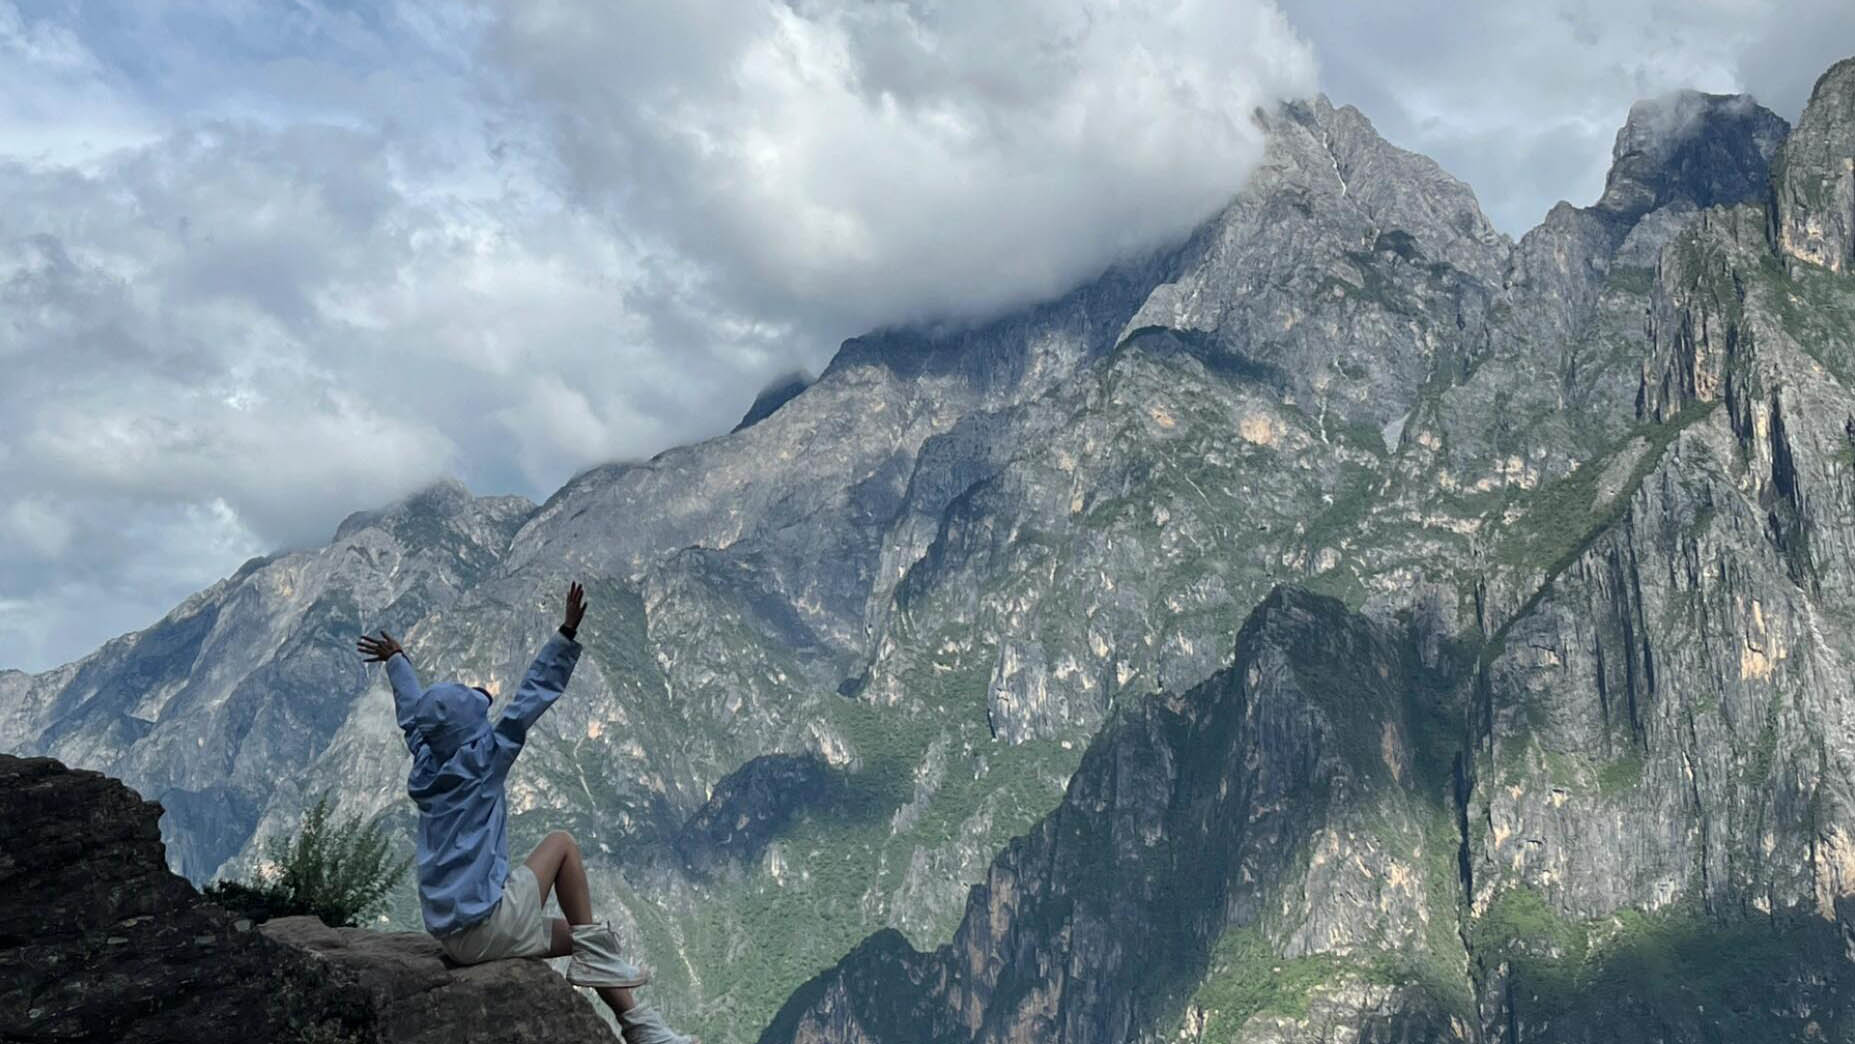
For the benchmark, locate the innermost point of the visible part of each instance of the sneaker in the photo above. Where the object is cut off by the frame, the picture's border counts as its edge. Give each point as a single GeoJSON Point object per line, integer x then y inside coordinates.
{"type": "Point", "coordinates": [642, 1025]}
{"type": "Point", "coordinates": [596, 961]}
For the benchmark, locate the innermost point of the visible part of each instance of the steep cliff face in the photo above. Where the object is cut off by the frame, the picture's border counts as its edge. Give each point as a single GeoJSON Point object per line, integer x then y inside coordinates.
{"type": "Point", "coordinates": [1814, 188]}
{"type": "Point", "coordinates": [1590, 492]}
{"type": "Point", "coordinates": [1661, 762]}
{"type": "Point", "coordinates": [1184, 855]}
{"type": "Point", "coordinates": [1304, 848]}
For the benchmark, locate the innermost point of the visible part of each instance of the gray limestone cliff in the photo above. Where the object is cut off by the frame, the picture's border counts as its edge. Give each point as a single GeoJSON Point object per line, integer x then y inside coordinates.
{"type": "Point", "coordinates": [1293, 851]}
{"type": "Point", "coordinates": [1813, 211]}
{"type": "Point", "coordinates": [1635, 769]}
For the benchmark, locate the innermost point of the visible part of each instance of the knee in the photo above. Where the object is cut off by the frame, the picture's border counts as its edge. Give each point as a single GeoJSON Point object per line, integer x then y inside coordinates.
{"type": "Point", "coordinates": [564, 841]}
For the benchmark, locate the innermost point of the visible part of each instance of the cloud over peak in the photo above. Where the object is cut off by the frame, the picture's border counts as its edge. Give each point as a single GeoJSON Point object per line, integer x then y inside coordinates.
{"type": "Point", "coordinates": [849, 164]}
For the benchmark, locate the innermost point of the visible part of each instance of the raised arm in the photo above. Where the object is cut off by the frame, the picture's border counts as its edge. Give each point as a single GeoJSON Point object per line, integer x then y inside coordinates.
{"type": "Point", "coordinates": [399, 673]}
{"type": "Point", "coordinates": [542, 685]}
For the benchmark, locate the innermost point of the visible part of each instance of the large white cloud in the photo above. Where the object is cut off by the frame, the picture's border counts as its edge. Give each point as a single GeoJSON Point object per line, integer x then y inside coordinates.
{"type": "Point", "coordinates": [236, 335]}
{"type": "Point", "coordinates": [845, 163]}
{"type": "Point", "coordinates": [219, 340]}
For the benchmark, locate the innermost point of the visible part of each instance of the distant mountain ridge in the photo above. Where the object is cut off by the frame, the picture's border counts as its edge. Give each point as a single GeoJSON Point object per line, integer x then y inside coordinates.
{"type": "Point", "coordinates": [1585, 497]}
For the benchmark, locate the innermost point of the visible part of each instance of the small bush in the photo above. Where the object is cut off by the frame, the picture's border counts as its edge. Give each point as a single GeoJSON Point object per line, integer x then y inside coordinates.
{"type": "Point", "coordinates": [338, 872]}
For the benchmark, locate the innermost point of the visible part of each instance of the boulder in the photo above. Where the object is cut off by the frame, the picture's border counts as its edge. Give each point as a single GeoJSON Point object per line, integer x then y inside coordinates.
{"type": "Point", "coordinates": [417, 995]}
{"type": "Point", "coordinates": [99, 941]}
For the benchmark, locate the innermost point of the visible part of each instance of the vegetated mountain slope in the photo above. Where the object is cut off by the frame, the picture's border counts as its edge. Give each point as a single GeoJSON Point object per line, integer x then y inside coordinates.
{"type": "Point", "coordinates": [922, 583]}
{"type": "Point", "coordinates": [1614, 803]}
{"type": "Point", "coordinates": [1194, 820]}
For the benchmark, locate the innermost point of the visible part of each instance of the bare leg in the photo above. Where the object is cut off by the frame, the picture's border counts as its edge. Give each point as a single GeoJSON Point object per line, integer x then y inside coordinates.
{"type": "Point", "coordinates": [558, 867]}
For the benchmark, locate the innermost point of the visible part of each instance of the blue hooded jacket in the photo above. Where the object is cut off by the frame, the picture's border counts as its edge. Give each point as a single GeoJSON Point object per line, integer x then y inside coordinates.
{"type": "Point", "coordinates": [459, 763]}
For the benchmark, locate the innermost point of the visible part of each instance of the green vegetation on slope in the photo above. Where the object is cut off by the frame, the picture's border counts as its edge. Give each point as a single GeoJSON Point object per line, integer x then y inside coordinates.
{"type": "Point", "coordinates": [1676, 973]}
{"type": "Point", "coordinates": [1246, 978]}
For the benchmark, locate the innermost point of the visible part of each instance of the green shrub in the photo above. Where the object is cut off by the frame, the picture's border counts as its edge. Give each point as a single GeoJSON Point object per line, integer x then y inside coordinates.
{"type": "Point", "coordinates": [338, 872]}
{"type": "Point", "coordinates": [1245, 978]}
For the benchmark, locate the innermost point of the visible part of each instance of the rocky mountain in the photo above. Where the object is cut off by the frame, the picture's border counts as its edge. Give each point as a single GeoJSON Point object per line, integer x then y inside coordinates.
{"type": "Point", "coordinates": [1607, 799]}
{"type": "Point", "coordinates": [1545, 733]}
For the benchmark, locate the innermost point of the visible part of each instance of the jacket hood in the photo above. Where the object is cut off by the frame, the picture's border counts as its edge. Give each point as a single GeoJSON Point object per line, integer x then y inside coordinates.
{"type": "Point", "coordinates": [450, 715]}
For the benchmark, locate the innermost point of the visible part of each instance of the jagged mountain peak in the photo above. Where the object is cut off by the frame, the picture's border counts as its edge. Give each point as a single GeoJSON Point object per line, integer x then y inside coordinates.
{"type": "Point", "coordinates": [446, 496]}
{"type": "Point", "coordinates": [1833, 96]}
{"type": "Point", "coordinates": [1688, 147]}
{"type": "Point", "coordinates": [1674, 156]}
{"type": "Point", "coordinates": [776, 393]}
{"type": "Point", "coordinates": [1342, 154]}
{"type": "Point", "coordinates": [1814, 181]}
{"type": "Point", "coordinates": [446, 500]}
{"type": "Point", "coordinates": [1307, 281]}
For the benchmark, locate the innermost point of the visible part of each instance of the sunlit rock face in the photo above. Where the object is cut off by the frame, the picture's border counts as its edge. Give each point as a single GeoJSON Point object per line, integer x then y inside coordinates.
{"type": "Point", "coordinates": [1814, 187]}
{"type": "Point", "coordinates": [1347, 624]}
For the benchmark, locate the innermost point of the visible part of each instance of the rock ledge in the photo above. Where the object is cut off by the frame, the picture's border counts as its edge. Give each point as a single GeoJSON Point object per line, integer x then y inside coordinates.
{"type": "Point", "coordinates": [100, 942]}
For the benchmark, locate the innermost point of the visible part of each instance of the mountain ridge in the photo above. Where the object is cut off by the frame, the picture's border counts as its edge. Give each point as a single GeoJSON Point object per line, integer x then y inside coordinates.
{"type": "Point", "coordinates": [948, 563]}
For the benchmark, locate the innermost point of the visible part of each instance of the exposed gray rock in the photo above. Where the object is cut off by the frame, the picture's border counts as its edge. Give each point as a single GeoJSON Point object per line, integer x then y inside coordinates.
{"type": "Point", "coordinates": [416, 995]}
{"type": "Point", "coordinates": [1815, 181]}
{"type": "Point", "coordinates": [1704, 150]}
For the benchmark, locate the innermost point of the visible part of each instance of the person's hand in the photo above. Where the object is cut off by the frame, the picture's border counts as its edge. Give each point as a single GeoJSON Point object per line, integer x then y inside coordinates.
{"type": "Point", "coordinates": [576, 606]}
{"type": "Point", "coordinates": [378, 650]}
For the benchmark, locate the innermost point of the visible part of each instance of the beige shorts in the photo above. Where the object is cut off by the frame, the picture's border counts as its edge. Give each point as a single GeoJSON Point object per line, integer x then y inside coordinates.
{"type": "Point", "coordinates": [515, 928]}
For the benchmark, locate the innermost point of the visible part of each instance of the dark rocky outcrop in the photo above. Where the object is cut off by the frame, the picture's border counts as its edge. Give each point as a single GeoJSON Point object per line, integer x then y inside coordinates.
{"type": "Point", "coordinates": [100, 942]}
{"type": "Point", "coordinates": [1701, 150]}
{"type": "Point", "coordinates": [777, 393]}
{"type": "Point", "coordinates": [414, 993]}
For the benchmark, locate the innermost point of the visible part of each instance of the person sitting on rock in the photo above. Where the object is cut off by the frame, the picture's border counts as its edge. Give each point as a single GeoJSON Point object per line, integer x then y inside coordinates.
{"type": "Point", "coordinates": [473, 904]}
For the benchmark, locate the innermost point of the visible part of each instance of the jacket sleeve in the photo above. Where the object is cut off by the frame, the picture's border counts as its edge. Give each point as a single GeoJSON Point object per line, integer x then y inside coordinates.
{"type": "Point", "coordinates": [406, 692]}
{"type": "Point", "coordinates": [541, 686]}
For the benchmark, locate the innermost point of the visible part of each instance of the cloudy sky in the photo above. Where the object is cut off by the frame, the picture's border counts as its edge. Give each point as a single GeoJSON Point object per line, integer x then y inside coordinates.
{"type": "Point", "coordinates": [266, 262]}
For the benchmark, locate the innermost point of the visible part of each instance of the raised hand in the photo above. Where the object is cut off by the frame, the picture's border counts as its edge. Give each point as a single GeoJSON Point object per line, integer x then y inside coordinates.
{"type": "Point", "coordinates": [576, 606]}
{"type": "Point", "coordinates": [378, 650]}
